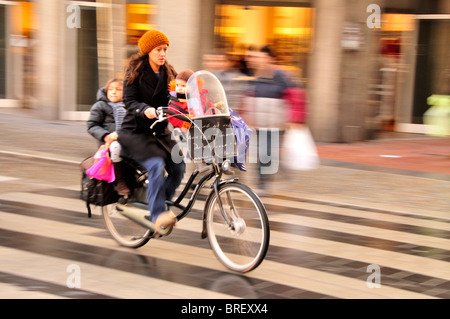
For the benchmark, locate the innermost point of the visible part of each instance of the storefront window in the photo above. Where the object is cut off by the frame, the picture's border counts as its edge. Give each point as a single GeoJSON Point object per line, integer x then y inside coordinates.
{"type": "Point", "coordinates": [394, 36]}
{"type": "Point", "coordinates": [288, 29]}
{"type": "Point", "coordinates": [140, 18]}
{"type": "Point", "coordinates": [433, 64]}
{"type": "Point", "coordinates": [87, 59]}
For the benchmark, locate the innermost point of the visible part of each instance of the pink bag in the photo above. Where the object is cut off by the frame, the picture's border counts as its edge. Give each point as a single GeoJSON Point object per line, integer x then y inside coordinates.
{"type": "Point", "coordinates": [297, 101]}
{"type": "Point", "coordinates": [103, 168]}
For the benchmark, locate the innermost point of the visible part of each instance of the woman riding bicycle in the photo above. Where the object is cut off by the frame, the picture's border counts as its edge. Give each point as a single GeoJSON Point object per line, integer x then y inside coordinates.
{"type": "Point", "coordinates": [146, 87]}
{"type": "Point", "coordinates": [234, 219]}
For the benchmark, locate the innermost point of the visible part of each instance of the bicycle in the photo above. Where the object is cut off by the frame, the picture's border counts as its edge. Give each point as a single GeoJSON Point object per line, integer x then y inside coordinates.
{"type": "Point", "coordinates": [234, 219]}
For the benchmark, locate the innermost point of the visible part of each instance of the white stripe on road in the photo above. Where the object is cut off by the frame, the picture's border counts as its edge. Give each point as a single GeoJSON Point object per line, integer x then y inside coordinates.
{"type": "Point", "coordinates": [7, 178]}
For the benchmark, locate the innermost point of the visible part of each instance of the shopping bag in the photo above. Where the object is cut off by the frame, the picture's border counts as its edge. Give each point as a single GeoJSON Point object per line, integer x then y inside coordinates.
{"type": "Point", "coordinates": [242, 135]}
{"type": "Point", "coordinates": [103, 168]}
{"type": "Point", "coordinates": [94, 191]}
{"type": "Point", "coordinates": [296, 100]}
{"type": "Point", "coordinates": [300, 152]}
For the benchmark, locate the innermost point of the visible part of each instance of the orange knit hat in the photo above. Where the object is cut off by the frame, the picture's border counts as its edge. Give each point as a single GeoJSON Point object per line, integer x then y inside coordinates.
{"type": "Point", "coordinates": [150, 40]}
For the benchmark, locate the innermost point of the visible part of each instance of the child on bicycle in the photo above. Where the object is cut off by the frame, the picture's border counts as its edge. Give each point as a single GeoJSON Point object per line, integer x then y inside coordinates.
{"type": "Point", "coordinates": [177, 99]}
{"type": "Point", "coordinates": [105, 119]}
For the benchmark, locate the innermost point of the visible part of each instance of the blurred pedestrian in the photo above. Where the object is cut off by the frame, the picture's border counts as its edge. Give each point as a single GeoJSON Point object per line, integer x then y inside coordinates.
{"type": "Point", "coordinates": [146, 87]}
{"type": "Point", "coordinates": [268, 112]}
{"type": "Point", "coordinates": [105, 119]}
{"type": "Point", "coordinates": [213, 61]}
{"type": "Point", "coordinates": [247, 64]}
{"type": "Point", "coordinates": [234, 82]}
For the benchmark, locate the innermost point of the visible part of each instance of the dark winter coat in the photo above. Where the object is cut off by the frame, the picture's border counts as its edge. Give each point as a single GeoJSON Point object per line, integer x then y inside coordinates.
{"type": "Point", "coordinates": [101, 119]}
{"type": "Point", "coordinates": [271, 87]}
{"type": "Point", "coordinates": [138, 141]}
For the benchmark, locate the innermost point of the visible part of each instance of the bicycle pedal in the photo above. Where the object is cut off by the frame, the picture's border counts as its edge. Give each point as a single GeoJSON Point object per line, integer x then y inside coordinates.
{"type": "Point", "coordinates": [155, 235]}
{"type": "Point", "coordinates": [229, 172]}
{"type": "Point", "coordinates": [161, 232]}
{"type": "Point", "coordinates": [164, 230]}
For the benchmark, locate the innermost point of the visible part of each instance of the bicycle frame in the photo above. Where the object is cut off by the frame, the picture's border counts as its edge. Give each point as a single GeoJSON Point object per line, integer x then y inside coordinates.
{"type": "Point", "coordinates": [163, 114]}
{"type": "Point", "coordinates": [215, 171]}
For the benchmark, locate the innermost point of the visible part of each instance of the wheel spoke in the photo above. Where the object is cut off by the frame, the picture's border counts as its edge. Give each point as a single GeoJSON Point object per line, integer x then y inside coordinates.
{"type": "Point", "coordinates": [242, 246]}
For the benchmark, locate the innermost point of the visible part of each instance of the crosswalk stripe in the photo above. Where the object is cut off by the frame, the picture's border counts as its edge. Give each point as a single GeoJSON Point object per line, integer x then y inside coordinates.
{"type": "Point", "coordinates": [19, 286]}
{"type": "Point", "coordinates": [45, 200]}
{"type": "Point", "coordinates": [413, 220]}
{"type": "Point", "coordinates": [7, 178]}
{"type": "Point", "coordinates": [394, 235]}
{"type": "Point", "coordinates": [374, 206]}
{"type": "Point", "coordinates": [93, 278]}
{"type": "Point", "coordinates": [10, 291]}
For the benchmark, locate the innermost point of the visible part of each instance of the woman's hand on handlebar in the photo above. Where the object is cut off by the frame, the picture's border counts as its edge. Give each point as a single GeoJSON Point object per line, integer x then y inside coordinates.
{"type": "Point", "coordinates": [150, 113]}
{"type": "Point", "coordinates": [158, 115]}
{"type": "Point", "coordinates": [162, 112]}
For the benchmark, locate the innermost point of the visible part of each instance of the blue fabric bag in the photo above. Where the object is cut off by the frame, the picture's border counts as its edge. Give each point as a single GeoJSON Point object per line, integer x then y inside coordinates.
{"type": "Point", "coordinates": [242, 135]}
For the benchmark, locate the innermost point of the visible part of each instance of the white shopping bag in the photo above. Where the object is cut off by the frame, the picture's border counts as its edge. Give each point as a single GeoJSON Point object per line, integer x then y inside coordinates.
{"type": "Point", "coordinates": [300, 152]}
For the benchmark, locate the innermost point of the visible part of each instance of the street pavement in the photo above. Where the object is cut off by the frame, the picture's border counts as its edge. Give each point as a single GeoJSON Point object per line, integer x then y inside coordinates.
{"type": "Point", "coordinates": [405, 173]}
{"type": "Point", "coordinates": [383, 202]}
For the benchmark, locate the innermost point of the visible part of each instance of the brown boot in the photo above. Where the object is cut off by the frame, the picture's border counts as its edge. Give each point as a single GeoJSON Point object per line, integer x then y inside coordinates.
{"type": "Point", "coordinates": [122, 187]}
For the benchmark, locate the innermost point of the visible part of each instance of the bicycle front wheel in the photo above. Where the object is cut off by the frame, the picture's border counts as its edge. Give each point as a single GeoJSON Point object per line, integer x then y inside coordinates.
{"type": "Point", "coordinates": [126, 232]}
{"type": "Point", "coordinates": [238, 227]}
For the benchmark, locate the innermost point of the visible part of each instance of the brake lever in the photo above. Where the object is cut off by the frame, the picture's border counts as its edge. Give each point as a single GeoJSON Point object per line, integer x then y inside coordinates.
{"type": "Point", "coordinates": [160, 119]}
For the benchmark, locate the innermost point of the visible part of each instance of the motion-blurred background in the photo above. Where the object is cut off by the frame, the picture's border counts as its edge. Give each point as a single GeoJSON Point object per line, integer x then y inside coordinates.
{"type": "Point", "coordinates": [367, 65]}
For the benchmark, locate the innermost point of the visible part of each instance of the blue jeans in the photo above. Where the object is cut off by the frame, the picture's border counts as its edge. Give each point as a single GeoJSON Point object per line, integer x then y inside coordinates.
{"type": "Point", "coordinates": [160, 188]}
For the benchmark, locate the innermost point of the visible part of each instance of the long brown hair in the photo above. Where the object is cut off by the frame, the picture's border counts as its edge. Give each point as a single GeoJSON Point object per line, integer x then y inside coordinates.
{"type": "Point", "coordinates": [136, 65]}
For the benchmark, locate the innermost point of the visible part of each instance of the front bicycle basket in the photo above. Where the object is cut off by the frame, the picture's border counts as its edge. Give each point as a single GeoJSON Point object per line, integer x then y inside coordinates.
{"type": "Point", "coordinates": [211, 138]}
{"type": "Point", "coordinates": [210, 135]}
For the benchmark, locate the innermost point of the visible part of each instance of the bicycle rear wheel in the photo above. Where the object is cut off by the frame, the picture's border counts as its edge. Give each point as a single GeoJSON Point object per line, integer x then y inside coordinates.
{"type": "Point", "coordinates": [243, 246]}
{"type": "Point", "coordinates": [126, 232]}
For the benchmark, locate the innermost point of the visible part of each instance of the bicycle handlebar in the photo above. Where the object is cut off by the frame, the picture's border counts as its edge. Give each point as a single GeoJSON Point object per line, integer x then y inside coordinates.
{"type": "Point", "coordinates": [163, 111]}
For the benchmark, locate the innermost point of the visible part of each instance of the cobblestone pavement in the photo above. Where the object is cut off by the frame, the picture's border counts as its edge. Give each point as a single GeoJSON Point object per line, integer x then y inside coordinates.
{"type": "Point", "coordinates": [405, 173]}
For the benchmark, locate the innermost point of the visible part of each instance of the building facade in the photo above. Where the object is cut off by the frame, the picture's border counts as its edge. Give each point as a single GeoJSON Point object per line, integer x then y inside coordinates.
{"type": "Point", "coordinates": [367, 65]}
